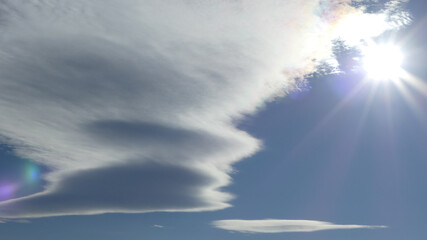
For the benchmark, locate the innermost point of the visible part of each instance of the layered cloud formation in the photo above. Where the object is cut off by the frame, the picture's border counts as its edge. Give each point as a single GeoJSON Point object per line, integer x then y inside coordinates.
{"type": "Point", "coordinates": [282, 225]}
{"type": "Point", "coordinates": [132, 104]}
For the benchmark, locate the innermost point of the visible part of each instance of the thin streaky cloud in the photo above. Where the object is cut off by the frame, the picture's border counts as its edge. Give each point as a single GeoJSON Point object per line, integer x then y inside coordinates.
{"type": "Point", "coordinates": [283, 225]}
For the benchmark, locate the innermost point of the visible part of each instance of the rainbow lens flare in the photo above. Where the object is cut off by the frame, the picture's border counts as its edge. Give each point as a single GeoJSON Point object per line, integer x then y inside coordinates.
{"type": "Point", "coordinates": [7, 191]}
{"type": "Point", "coordinates": [32, 172]}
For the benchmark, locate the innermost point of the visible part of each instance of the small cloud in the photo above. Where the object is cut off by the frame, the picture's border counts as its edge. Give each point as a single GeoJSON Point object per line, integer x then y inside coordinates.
{"type": "Point", "coordinates": [14, 221]}
{"type": "Point", "coordinates": [158, 226]}
{"type": "Point", "coordinates": [282, 225]}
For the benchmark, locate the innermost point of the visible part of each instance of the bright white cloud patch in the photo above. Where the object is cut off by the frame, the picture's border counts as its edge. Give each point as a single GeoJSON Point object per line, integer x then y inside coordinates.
{"type": "Point", "coordinates": [131, 103]}
{"type": "Point", "coordinates": [281, 225]}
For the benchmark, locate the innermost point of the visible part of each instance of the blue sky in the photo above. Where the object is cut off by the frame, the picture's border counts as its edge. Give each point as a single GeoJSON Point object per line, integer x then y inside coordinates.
{"type": "Point", "coordinates": [179, 126]}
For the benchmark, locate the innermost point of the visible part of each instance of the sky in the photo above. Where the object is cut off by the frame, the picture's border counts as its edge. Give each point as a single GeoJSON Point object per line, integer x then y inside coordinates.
{"type": "Point", "coordinates": [141, 119]}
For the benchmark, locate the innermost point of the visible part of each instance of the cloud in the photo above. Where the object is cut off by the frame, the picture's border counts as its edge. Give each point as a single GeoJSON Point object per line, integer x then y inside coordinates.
{"type": "Point", "coordinates": [133, 104]}
{"type": "Point", "coordinates": [14, 221]}
{"type": "Point", "coordinates": [282, 225]}
{"type": "Point", "coordinates": [124, 188]}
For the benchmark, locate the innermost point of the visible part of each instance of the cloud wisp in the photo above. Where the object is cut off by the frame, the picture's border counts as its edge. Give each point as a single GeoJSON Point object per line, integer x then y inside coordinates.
{"type": "Point", "coordinates": [282, 225]}
{"type": "Point", "coordinates": [132, 104]}
{"type": "Point", "coordinates": [14, 221]}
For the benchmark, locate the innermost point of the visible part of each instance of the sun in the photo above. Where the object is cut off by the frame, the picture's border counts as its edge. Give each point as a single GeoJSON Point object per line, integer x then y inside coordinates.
{"type": "Point", "coordinates": [382, 62]}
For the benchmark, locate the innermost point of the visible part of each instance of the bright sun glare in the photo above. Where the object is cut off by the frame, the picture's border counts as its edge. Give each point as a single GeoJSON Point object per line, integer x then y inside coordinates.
{"type": "Point", "coordinates": [382, 62]}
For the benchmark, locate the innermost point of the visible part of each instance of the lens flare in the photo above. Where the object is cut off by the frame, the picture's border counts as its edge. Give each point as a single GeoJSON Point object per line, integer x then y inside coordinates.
{"type": "Point", "coordinates": [32, 172]}
{"type": "Point", "coordinates": [7, 191]}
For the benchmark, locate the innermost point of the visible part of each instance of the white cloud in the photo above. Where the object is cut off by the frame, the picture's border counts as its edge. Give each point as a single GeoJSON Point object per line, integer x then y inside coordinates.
{"type": "Point", "coordinates": [110, 89]}
{"type": "Point", "coordinates": [282, 225]}
{"type": "Point", "coordinates": [14, 221]}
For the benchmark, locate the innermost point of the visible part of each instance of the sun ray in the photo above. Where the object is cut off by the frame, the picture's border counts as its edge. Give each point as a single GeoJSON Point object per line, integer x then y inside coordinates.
{"type": "Point", "coordinates": [358, 88]}
{"type": "Point", "coordinates": [367, 108]}
{"type": "Point", "coordinates": [415, 82]}
{"type": "Point", "coordinates": [410, 100]}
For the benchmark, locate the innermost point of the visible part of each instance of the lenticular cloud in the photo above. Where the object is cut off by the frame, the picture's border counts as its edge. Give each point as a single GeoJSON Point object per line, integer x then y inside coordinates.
{"type": "Point", "coordinates": [282, 225]}
{"type": "Point", "coordinates": [131, 103]}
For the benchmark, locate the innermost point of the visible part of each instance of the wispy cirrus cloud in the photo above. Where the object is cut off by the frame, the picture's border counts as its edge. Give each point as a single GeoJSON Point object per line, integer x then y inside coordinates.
{"type": "Point", "coordinates": [14, 221]}
{"type": "Point", "coordinates": [282, 225]}
{"type": "Point", "coordinates": [132, 104]}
